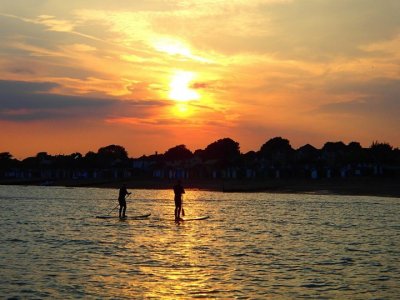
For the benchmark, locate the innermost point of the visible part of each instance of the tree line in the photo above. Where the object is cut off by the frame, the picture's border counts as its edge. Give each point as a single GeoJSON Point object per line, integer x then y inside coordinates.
{"type": "Point", "coordinates": [276, 152]}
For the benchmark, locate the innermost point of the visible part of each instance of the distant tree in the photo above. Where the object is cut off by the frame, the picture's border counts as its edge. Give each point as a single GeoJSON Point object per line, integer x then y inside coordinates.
{"type": "Point", "coordinates": [333, 153]}
{"type": "Point", "coordinates": [251, 155]}
{"type": "Point", "coordinates": [249, 158]}
{"type": "Point", "coordinates": [278, 150]}
{"type": "Point", "coordinates": [382, 147]}
{"type": "Point", "coordinates": [112, 155]}
{"type": "Point", "coordinates": [76, 155]}
{"type": "Point", "coordinates": [382, 152]}
{"type": "Point", "coordinates": [29, 162]}
{"type": "Point", "coordinates": [40, 160]}
{"type": "Point", "coordinates": [307, 154]}
{"type": "Point", "coordinates": [90, 155]}
{"type": "Point", "coordinates": [179, 152]}
{"type": "Point", "coordinates": [113, 152]}
{"type": "Point", "coordinates": [224, 149]}
{"type": "Point", "coordinates": [354, 146]}
{"type": "Point", "coordinates": [354, 153]}
{"type": "Point", "coordinates": [90, 159]}
{"type": "Point", "coordinates": [4, 156]}
{"type": "Point", "coordinates": [276, 145]}
{"type": "Point", "coordinates": [199, 153]}
{"type": "Point", "coordinates": [334, 147]}
{"type": "Point", "coordinates": [75, 159]}
{"type": "Point", "coordinates": [42, 155]}
{"type": "Point", "coordinates": [7, 160]}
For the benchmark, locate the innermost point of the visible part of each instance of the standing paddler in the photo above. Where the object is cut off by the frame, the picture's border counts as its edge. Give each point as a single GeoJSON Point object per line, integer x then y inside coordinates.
{"type": "Point", "coordinates": [123, 192]}
{"type": "Point", "coordinates": [178, 191]}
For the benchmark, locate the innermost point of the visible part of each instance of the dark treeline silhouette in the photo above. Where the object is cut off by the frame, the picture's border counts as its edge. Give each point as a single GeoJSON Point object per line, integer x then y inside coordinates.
{"type": "Point", "coordinates": [222, 159]}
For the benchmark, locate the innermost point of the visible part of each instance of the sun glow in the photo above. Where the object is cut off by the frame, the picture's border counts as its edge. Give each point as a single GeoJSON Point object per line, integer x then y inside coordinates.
{"type": "Point", "coordinates": [172, 48]}
{"type": "Point", "coordinates": [177, 48]}
{"type": "Point", "coordinates": [180, 87]}
{"type": "Point", "coordinates": [182, 109]}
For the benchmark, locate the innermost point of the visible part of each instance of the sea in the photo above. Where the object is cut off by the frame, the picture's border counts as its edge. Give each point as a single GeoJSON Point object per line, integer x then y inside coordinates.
{"type": "Point", "coordinates": [252, 246]}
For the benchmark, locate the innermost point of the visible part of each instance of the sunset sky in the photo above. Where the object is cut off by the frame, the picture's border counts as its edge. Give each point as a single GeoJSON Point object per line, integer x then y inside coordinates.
{"type": "Point", "coordinates": [152, 74]}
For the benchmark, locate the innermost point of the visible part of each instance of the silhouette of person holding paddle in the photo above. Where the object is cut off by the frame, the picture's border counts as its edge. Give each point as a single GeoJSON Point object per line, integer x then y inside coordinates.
{"type": "Point", "coordinates": [123, 192]}
{"type": "Point", "coordinates": [178, 191]}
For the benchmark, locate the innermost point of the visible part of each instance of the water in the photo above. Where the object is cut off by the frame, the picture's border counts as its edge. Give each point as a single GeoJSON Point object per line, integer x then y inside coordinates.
{"type": "Point", "coordinates": [254, 246]}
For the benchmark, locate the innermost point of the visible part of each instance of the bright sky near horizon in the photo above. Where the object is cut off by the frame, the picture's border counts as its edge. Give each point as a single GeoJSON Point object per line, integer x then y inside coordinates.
{"type": "Point", "coordinates": [152, 74]}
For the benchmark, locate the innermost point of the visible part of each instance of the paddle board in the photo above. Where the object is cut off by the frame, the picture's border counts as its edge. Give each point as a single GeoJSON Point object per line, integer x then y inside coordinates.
{"type": "Point", "coordinates": [194, 218]}
{"type": "Point", "coordinates": [126, 218]}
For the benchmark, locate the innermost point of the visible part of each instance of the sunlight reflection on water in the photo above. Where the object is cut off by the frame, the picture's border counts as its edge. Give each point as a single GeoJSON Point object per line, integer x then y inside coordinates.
{"type": "Point", "coordinates": [254, 246]}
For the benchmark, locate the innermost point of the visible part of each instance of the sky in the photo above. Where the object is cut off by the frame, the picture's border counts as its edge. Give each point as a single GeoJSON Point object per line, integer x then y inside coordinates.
{"type": "Point", "coordinates": [152, 74]}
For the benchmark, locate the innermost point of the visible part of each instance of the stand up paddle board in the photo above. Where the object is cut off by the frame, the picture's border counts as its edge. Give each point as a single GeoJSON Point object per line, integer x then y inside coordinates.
{"type": "Point", "coordinates": [126, 218]}
{"type": "Point", "coordinates": [193, 219]}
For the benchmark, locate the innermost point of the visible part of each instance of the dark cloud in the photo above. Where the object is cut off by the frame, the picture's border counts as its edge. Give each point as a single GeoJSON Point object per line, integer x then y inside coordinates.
{"type": "Point", "coordinates": [21, 70]}
{"type": "Point", "coordinates": [27, 101]}
{"type": "Point", "coordinates": [36, 95]}
{"type": "Point", "coordinates": [383, 87]}
{"type": "Point", "coordinates": [383, 107]}
{"type": "Point", "coordinates": [9, 88]}
{"type": "Point", "coordinates": [379, 97]}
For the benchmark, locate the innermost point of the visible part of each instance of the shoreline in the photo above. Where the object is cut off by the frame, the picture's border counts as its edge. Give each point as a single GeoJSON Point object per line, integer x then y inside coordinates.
{"type": "Point", "coordinates": [384, 187]}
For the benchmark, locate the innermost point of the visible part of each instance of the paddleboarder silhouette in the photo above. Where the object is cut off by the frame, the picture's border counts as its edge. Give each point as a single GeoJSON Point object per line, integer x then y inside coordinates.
{"type": "Point", "coordinates": [123, 192]}
{"type": "Point", "coordinates": [178, 191]}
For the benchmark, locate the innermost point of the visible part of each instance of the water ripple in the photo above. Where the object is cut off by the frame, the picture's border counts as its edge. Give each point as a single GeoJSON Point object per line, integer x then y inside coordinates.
{"type": "Point", "coordinates": [255, 246]}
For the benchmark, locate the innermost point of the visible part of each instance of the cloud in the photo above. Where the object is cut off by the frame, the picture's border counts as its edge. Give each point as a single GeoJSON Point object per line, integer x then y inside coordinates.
{"type": "Point", "coordinates": [272, 62]}
{"type": "Point", "coordinates": [51, 22]}
{"type": "Point", "coordinates": [54, 24]}
{"type": "Point", "coordinates": [310, 30]}
{"type": "Point", "coordinates": [30, 101]}
{"type": "Point", "coordinates": [303, 30]}
{"type": "Point", "coordinates": [9, 88]}
{"type": "Point", "coordinates": [27, 101]}
{"type": "Point", "coordinates": [320, 29]}
{"type": "Point", "coordinates": [378, 98]}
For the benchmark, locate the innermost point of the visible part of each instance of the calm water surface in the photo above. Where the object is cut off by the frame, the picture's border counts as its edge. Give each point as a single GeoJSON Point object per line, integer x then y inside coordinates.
{"type": "Point", "coordinates": [254, 246]}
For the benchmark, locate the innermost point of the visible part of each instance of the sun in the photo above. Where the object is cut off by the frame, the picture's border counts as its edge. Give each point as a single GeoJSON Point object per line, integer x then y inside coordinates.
{"type": "Point", "coordinates": [180, 87]}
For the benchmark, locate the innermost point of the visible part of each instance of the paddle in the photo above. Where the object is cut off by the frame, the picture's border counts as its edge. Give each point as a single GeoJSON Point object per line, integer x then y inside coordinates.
{"type": "Point", "coordinates": [183, 211]}
{"type": "Point", "coordinates": [112, 210]}
{"type": "Point", "coordinates": [117, 206]}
